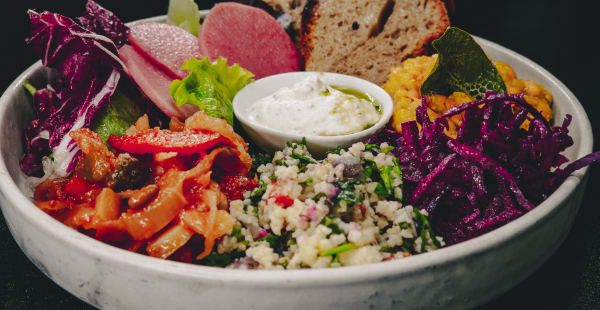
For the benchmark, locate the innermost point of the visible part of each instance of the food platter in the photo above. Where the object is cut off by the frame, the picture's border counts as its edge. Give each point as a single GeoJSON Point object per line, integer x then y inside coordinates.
{"type": "Point", "coordinates": [442, 279]}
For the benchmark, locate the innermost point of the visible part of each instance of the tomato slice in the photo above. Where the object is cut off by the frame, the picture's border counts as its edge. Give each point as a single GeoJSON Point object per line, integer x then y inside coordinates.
{"type": "Point", "coordinates": [284, 201]}
{"type": "Point", "coordinates": [234, 186]}
{"type": "Point", "coordinates": [160, 141]}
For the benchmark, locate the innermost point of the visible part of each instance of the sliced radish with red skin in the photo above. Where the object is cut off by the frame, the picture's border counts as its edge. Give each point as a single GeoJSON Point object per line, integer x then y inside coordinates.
{"type": "Point", "coordinates": [153, 82]}
{"type": "Point", "coordinates": [249, 37]}
{"type": "Point", "coordinates": [167, 46]}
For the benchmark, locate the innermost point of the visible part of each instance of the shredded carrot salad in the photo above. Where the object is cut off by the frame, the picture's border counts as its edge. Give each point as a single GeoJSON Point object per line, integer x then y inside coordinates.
{"type": "Point", "coordinates": [158, 191]}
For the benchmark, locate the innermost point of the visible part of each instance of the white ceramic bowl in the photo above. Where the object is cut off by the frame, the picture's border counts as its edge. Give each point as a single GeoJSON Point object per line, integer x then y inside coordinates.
{"type": "Point", "coordinates": [271, 139]}
{"type": "Point", "coordinates": [456, 277]}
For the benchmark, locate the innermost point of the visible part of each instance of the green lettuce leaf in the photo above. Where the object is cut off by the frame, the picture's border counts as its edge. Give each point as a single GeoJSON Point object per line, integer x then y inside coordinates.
{"type": "Point", "coordinates": [121, 113]}
{"type": "Point", "coordinates": [462, 66]}
{"type": "Point", "coordinates": [184, 14]}
{"type": "Point", "coordinates": [210, 86]}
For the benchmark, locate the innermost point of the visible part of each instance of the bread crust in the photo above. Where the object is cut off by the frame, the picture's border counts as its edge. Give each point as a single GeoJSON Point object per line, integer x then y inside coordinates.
{"type": "Point", "coordinates": [293, 8]}
{"type": "Point", "coordinates": [308, 17]}
{"type": "Point", "coordinates": [373, 58]}
{"type": "Point", "coordinates": [426, 47]}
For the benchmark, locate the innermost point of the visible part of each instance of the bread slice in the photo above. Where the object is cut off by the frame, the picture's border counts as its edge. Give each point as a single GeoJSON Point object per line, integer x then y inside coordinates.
{"type": "Point", "coordinates": [366, 38]}
{"type": "Point", "coordinates": [292, 7]}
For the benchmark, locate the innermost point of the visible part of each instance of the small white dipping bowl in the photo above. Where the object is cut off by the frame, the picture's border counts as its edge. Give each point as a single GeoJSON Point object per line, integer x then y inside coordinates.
{"type": "Point", "coordinates": [270, 139]}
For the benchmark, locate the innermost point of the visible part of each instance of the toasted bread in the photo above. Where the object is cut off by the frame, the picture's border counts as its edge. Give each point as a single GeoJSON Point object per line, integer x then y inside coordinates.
{"type": "Point", "coordinates": [291, 7]}
{"type": "Point", "coordinates": [366, 38]}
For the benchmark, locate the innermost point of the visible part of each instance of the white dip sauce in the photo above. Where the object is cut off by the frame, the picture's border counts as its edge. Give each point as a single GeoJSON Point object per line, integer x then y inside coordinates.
{"type": "Point", "coordinates": [311, 107]}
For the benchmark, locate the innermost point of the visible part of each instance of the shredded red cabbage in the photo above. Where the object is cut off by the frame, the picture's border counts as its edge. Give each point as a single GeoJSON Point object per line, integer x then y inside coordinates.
{"type": "Point", "coordinates": [491, 173]}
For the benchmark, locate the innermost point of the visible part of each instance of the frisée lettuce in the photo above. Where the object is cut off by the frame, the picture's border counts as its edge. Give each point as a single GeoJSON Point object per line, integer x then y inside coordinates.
{"type": "Point", "coordinates": [120, 114]}
{"type": "Point", "coordinates": [184, 14]}
{"type": "Point", "coordinates": [210, 86]}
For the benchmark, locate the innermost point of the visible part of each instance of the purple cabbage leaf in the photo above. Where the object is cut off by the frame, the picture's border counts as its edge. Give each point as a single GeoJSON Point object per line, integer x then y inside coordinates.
{"type": "Point", "coordinates": [494, 171]}
{"type": "Point", "coordinates": [104, 22]}
{"type": "Point", "coordinates": [89, 69]}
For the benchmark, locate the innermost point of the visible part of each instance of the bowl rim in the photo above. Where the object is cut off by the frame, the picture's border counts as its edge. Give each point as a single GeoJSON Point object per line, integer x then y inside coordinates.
{"type": "Point", "coordinates": [386, 113]}
{"type": "Point", "coordinates": [303, 277]}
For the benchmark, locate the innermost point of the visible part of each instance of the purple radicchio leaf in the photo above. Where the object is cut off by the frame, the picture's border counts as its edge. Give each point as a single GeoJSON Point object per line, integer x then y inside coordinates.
{"type": "Point", "coordinates": [104, 22]}
{"type": "Point", "coordinates": [45, 103]}
{"type": "Point", "coordinates": [89, 69]}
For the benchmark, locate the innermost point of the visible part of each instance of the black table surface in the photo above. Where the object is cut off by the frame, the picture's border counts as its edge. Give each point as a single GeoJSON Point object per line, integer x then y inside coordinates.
{"type": "Point", "coordinates": [558, 35]}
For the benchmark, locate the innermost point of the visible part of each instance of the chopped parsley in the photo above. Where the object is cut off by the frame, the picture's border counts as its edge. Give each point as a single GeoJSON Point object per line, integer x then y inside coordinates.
{"type": "Point", "coordinates": [387, 149]}
{"type": "Point", "coordinates": [347, 191]}
{"type": "Point", "coordinates": [308, 182]}
{"type": "Point", "coordinates": [258, 192]}
{"type": "Point", "coordinates": [237, 234]}
{"type": "Point", "coordinates": [279, 244]}
{"type": "Point", "coordinates": [424, 229]}
{"type": "Point", "coordinates": [339, 249]}
{"type": "Point", "coordinates": [327, 221]}
{"type": "Point", "coordinates": [221, 260]}
{"type": "Point", "coordinates": [259, 159]}
{"type": "Point", "coordinates": [303, 159]}
{"type": "Point", "coordinates": [337, 150]}
{"type": "Point", "coordinates": [371, 146]}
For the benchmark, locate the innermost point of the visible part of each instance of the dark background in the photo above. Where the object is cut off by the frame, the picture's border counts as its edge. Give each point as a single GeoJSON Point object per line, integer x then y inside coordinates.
{"type": "Point", "coordinates": [558, 35]}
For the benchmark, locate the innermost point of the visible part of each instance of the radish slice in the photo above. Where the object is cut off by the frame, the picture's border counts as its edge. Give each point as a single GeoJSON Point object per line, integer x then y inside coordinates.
{"type": "Point", "coordinates": [167, 46]}
{"type": "Point", "coordinates": [250, 37]}
{"type": "Point", "coordinates": [153, 82]}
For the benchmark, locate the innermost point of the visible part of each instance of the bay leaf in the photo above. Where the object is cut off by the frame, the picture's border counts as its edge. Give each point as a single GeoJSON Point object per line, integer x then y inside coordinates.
{"type": "Point", "coordinates": [462, 66]}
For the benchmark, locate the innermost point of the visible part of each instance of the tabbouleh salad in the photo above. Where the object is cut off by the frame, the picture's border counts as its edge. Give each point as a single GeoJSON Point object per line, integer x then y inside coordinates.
{"type": "Point", "coordinates": [340, 211]}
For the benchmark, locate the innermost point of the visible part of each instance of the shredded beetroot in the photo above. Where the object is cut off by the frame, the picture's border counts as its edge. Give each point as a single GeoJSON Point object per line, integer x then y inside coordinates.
{"type": "Point", "coordinates": [494, 171]}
